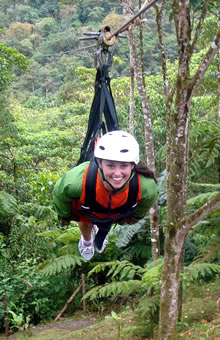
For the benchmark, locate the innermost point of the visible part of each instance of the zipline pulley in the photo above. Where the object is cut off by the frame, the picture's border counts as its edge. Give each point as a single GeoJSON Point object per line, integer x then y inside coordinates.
{"type": "Point", "coordinates": [105, 40]}
{"type": "Point", "coordinates": [103, 102]}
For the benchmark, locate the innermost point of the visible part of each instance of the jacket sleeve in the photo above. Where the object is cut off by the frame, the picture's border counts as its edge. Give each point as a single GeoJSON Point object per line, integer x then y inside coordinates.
{"type": "Point", "coordinates": [148, 197]}
{"type": "Point", "coordinates": [67, 189]}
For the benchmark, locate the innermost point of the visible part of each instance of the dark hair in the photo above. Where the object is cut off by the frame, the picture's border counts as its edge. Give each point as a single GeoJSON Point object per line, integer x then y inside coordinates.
{"type": "Point", "coordinates": [142, 169]}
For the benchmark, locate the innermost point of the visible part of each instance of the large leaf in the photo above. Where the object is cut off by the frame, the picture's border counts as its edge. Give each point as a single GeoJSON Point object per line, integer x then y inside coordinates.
{"type": "Point", "coordinates": [8, 206]}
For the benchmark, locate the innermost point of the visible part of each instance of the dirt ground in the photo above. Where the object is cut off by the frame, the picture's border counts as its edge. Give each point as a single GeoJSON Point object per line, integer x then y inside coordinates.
{"type": "Point", "coordinates": [62, 326]}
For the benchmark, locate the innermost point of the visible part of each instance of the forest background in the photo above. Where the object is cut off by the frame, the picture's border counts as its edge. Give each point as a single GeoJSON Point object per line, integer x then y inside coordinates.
{"type": "Point", "coordinates": [45, 104]}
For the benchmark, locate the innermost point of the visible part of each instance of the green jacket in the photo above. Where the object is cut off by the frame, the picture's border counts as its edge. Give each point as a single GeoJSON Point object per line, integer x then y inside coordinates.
{"type": "Point", "coordinates": [69, 188]}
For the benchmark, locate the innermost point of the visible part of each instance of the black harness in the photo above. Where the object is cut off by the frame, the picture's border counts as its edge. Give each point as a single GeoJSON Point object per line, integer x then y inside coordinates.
{"type": "Point", "coordinates": [91, 206]}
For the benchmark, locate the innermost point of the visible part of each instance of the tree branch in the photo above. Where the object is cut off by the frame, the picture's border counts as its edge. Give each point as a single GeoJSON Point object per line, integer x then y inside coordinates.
{"type": "Point", "coordinates": [200, 24]}
{"type": "Point", "coordinates": [159, 15]}
{"type": "Point", "coordinates": [213, 50]}
{"type": "Point", "coordinates": [188, 222]}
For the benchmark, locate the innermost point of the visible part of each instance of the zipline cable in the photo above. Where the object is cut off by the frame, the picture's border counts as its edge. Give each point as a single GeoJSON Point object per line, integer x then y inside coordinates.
{"type": "Point", "coordinates": [127, 23]}
{"type": "Point", "coordinates": [66, 52]}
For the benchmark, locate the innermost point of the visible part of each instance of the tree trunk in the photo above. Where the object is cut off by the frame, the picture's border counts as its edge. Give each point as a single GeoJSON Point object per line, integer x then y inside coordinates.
{"type": "Point", "coordinates": [128, 12]}
{"type": "Point", "coordinates": [169, 289]}
{"type": "Point", "coordinates": [141, 44]}
{"type": "Point", "coordinates": [131, 112]}
{"type": "Point", "coordinates": [218, 80]}
{"type": "Point", "coordinates": [178, 225]}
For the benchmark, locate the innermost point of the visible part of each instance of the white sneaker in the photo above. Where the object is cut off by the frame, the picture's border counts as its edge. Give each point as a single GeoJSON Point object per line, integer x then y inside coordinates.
{"type": "Point", "coordinates": [103, 246]}
{"type": "Point", "coordinates": [94, 231]}
{"type": "Point", "coordinates": [86, 252]}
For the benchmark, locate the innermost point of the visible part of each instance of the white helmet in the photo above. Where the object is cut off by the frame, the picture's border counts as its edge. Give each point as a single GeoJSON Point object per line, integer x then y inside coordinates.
{"type": "Point", "coordinates": [117, 146]}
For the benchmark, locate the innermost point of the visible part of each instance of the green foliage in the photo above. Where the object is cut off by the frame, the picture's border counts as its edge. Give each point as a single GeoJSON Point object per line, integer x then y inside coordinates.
{"type": "Point", "coordinates": [29, 295]}
{"type": "Point", "coordinates": [210, 251]}
{"type": "Point", "coordinates": [10, 58]}
{"type": "Point", "coordinates": [123, 269]}
{"type": "Point", "coordinates": [197, 201]}
{"type": "Point", "coordinates": [127, 232]}
{"type": "Point", "coordinates": [40, 212]}
{"type": "Point", "coordinates": [205, 139]}
{"type": "Point", "coordinates": [134, 241]}
{"type": "Point", "coordinates": [56, 266]}
{"type": "Point", "coordinates": [153, 279]}
{"type": "Point", "coordinates": [124, 288]}
{"type": "Point", "coordinates": [18, 321]}
{"type": "Point", "coordinates": [41, 139]}
{"type": "Point", "coordinates": [149, 306]}
{"type": "Point", "coordinates": [199, 271]}
{"type": "Point", "coordinates": [146, 286]}
{"type": "Point", "coordinates": [8, 207]}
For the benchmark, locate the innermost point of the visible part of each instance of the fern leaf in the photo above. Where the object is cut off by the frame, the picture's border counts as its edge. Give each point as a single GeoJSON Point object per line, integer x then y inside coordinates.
{"type": "Point", "coordinates": [125, 267]}
{"type": "Point", "coordinates": [211, 251]}
{"type": "Point", "coordinates": [69, 236]}
{"type": "Point", "coordinates": [56, 265]}
{"type": "Point", "coordinates": [102, 267]}
{"type": "Point", "coordinates": [68, 249]}
{"type": "Point", "coordinates": [200, 270]}
{"type": "Point", "coordinates": [38, 211]}
{"type": "Point", "coordinates": [8, 206]}
{"type": "Point", "coordinates": [148, 305]}
{"type": "Point", "coordinates": [127, 232]}
{"type": "Point", "coordinates": [115, 265]}
{"type": "Point", "coordinates": [154, 263]}
{"type": "Point", "coordinates": [119, 268]}
{"type": "Point", "coordinates": [124, 288]}
{"type": "Point", "coordinates": [153, 278]}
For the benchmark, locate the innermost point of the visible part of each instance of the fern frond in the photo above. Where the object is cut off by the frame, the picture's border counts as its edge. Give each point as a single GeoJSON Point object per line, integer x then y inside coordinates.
{"type": "Point", "coordinates": [127, 232]}
{"type": "Point", "coordinates": [68, 249]}
{"type": "Point", "coordinates": [139, 250]}
{"type": "Point", "coordinates": [210, 252]}
{"type": "Point", "coordinates": [153, 278]}
{"type": "Point", "coordinates": [66, 237]}
{"type": "Point", "coordinates": [101, 267]}
{"type": "Point", "coordinates": [148, 305]}
{"type": "Point", "coordinates": [124, 288]}
{"type": "Point", "coordinates": [8, 206]}
{"type": "Point", "coordinates": [200, 270]}
{"type": "Point", "coordinates": [125, 269]}
{"type": "Point", "coordinates": [205, 142]}
{"type": "Point", "coordinates": [69, 236]}
{"type": "Point", "coordinates": [38, 211]}
{"type": "Point", "coordinates": [203, 186]}
{"type": "Point", "coordinates": [197, 201]}
{"type": "Point", "coordinates": [51, 234]}
{"type": "Point", "coordinates": [55, 266]}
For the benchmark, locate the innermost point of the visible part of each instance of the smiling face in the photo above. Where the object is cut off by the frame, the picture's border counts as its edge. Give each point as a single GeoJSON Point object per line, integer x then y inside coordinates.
{"type": "Point", "coordinates": [116, 173]}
